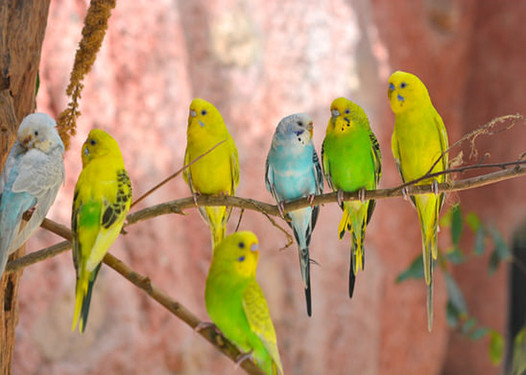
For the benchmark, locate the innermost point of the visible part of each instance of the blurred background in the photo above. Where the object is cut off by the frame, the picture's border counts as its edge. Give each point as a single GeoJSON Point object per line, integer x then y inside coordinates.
{"type": "Point", "coordinates": [259, 61]}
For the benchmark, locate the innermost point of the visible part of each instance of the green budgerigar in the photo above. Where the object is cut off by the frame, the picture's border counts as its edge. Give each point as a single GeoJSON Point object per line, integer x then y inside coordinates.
{"type": "Point", "coordinates": [352, 163]}
{"type": "Point", "coordinates": [419, 145]}
{"type": "Point", "coordinates": [236, 304]}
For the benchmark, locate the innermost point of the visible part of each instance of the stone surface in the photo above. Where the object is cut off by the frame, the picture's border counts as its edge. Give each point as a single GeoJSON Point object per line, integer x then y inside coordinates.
{"type": "Point", "coordinates": [257, 62]}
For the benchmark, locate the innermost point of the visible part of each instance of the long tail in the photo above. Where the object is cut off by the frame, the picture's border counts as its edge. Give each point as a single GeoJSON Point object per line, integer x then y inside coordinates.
{"type": "Point", "coordinates": [305, 275]}
{"type": "Point", "coordinates": [83, 290]}
{"type": "Point", "coordinates": [354, 220]}
{"type": "Point", "coordinates": [216, 218]}
{"type": "Point", "coordinates": [428, 207]}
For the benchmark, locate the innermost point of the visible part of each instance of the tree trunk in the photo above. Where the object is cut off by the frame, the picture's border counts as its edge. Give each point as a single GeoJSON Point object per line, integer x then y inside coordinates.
{"type": "Point", "coordinates": [22, 27]}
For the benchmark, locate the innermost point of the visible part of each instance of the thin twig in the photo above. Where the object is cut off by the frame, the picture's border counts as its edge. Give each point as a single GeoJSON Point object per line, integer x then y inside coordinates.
{"type": "Point", "coordinates": [177, 173]}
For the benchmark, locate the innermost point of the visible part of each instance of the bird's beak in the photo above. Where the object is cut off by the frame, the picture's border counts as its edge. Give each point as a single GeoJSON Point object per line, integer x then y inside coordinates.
{"type": "Point", "coordinates": [193, 113]}
{"type": "Point", "coordinates": [311, 129]}
{"type": "Point", "coordinates": [254, 247]}
{"type": "Point", "coordinates": [86, 151]}
{"type": "Point", "coordinates": [335, 113]}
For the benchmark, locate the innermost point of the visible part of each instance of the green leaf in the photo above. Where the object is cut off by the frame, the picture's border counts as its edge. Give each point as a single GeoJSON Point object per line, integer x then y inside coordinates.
{"type": "Point", "coordinates": [480, 241]}
{"type": "Point", "coordinates": [452, 315]}
{"type": "Point", "coordinates": [415, 271]}
{"type": "Point", "coordinates": [518, 362]}
{"type": "Point", "coordinates": [496, 347]}
{"type": "Point", "coordinates": [455, 296]}
{"type": "Point", "coordinates": [479, 333]}
{"type": "Point", "coordinates": [501, 247]}
{"type": "Point", "coordinates": [494, 262]}
{"type": "Point", "coordinates": [455, 256]}
{"type": "Point", "coordinates": [457, 224]}
{"type": "Point", "coordinates": [473, 221]}
{"type": "Point", "coordinates": [445, 220]}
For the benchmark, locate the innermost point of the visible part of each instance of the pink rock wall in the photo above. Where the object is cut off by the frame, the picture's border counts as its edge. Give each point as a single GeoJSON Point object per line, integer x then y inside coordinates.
{"type": "Point", "coordinates": [258, 62]}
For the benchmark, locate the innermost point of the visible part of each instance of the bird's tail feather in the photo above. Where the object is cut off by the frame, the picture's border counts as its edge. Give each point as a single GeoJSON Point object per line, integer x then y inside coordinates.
{"type": "Point", "coordinates": [83, 291]}
{"type": "Point", "coordinates": [429, 304]}
{"type": "Point", "coordinates": [305, 275]}
{"type": "Point", "coordinates": [216, 218]}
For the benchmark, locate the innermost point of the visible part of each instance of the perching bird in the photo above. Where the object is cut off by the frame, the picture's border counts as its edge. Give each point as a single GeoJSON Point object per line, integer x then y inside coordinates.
{"type": "Point", "coordinates": [293, 171]}
{"type": "Point", "coordinates": [236, 304]}
{"type": "Point", "coordinates": [352, 163]}
{"type": "Point", "coordinates": [102, 199]}
{"type": "Point", "coordinates": [419, 143]}
{"type": "Point", "coordinates": [32, 175]}
{"type": "Point", "coordinates": [218, 171]}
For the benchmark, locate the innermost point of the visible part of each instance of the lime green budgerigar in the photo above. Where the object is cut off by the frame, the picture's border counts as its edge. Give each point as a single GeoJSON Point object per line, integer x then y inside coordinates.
{"type": "Point", "coordinates": [236, 304]}
{"type": "Point", "coordinates": [351, 162]}
{"type": "Point", "coordinates": [419, 143]}
{"type": "Point", "coordinates": [217, 172]}
{"type": "Point", "coordinates": [102, 199]}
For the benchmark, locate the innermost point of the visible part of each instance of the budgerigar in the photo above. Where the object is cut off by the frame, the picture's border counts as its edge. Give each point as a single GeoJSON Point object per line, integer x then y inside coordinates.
{"type": "Point", "coordinates": [236, 304]}
{"type": "Point", "coordinates": [218, 171]}
{"type": "Point", "coordinates": [418, 143]}
{"type": "Point", "coordinates": [352, 163]}
{"type": "Point", "coordinates": [102, 199]}
{"type": "Point", "coordinates": [32, 175]}
{"type": "Point", "coordinates": [293, 171]}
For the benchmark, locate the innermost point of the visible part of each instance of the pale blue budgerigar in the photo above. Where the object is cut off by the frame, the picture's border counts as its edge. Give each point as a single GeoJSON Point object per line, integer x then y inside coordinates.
{"type": "Point", "coordinates": [32, 175]}
{"type": "Point", "coordinates": [293, 171]}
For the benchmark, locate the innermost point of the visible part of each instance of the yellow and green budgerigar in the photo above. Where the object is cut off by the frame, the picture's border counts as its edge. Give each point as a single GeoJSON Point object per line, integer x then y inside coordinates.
{"type": "Point", "coordinates": [101, 201]}
{"type": "Point", "coordinates": [217, 172]}
{"type": "Point", "coordinates": [419, 145]}
{"type": "Point", "coordinates": [352, 162]}
{"type": "Point", "coordinates": [236, 304]}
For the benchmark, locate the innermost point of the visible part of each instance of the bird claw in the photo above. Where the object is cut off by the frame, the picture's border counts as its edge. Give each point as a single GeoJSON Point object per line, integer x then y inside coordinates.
{"type": "Point", "coordinates": [204, 325]}
{"type": "Point", "coordinates": [361, 195]}
{"type": "Point", "coordinates": [243, 356]}
{"type": "Point", "coordinates": [339, 196]}
{"type": "Point", "coordinates": [434, 187]}
{"type": "Point", "coordinates": [195, 196]}
{"type": "Point", "coordinates": [310, 198]}
{"type": "Point", "coordinates": [405, 193]}
{"type": "Point", "coordinates": [281, 208]}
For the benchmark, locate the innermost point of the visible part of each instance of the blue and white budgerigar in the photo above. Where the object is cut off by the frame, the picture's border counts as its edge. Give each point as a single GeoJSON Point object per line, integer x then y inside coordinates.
{"type": "Point", "coordinates": [293, 171]}
{"type": "Point", "coordinates": [32, 175]}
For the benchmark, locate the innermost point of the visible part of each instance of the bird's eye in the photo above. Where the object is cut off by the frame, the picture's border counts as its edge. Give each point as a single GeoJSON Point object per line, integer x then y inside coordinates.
{"type": "Point", "coordinates": [403, 85]}
{"type": "Point", "coordinates": [300, 123]}
{"type": "Point", "coordinates": [203, 112]}
{"type": "Point", "coordinates": [241, 245]}
{"type": "Point", "coordinates": [36, 133]}
{"type": "Point", "coordinates": [241, 258]}
{"type": "Point", "coordinates": [347, 111]}
{"type": "Point", "coordinates": [92, 142]}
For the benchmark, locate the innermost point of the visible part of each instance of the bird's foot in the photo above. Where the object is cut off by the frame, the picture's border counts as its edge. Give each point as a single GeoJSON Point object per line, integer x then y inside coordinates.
{"type": "Point", "coordinates": [361, 195]}
{"type": "Point", "coordinates": [310, 198]}
{"type": "Point", "coordinates": [339, 196]}
{"type": "Point", "coordinates": [405, 193]}
{"type": "Point", "coordinates": [243, 356]}
{"type": "Point", "coordinates": [204, 325]}
{"type": "Point", "coordinates": [281, 208]}
{"type": "Point", "coordinates": [434, 187]}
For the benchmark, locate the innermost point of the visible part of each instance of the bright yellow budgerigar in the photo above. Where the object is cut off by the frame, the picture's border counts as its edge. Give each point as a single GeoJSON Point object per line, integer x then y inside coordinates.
{"type": "Point", "coordinates": [217, 172]}
{"type": "Point", "coordinates": [102, 199]}
{"type": "Point", "coordinates": [236, 304]}
{"type": "Point", "coordinates": [419, 143]}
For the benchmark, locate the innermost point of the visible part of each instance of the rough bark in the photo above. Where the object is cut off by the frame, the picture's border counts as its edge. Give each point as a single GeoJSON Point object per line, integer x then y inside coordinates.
{"type": "Point", "coordinates": [22, 27]}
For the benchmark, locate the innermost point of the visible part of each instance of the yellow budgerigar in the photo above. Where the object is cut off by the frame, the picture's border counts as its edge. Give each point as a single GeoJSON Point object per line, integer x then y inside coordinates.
{"type": "Point", "coordinates": [236, 304]}
{"type": "Point", "coordinates": [217, 172]}
{"type": "Point", "coordinates": [102, 199]}
{"type": "Point", "coordinates": [419, 143]}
